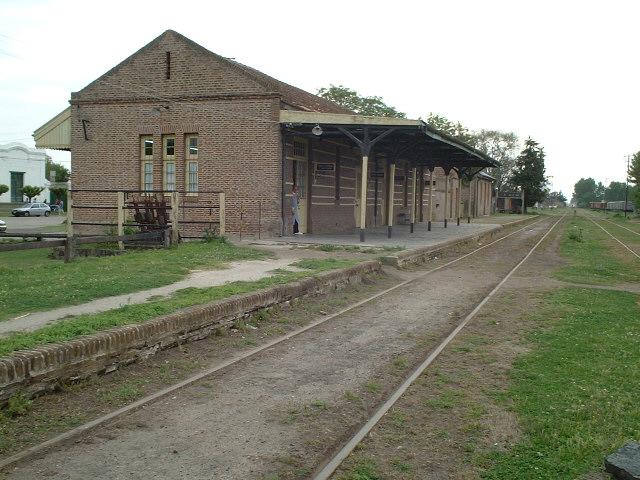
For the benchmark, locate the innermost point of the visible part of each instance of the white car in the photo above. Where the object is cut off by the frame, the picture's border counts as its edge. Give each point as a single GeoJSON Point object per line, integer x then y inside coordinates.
{"type": "Point", "coordinates": [3, 226]}
{"type": "Point", "coordinates": [32, 210]}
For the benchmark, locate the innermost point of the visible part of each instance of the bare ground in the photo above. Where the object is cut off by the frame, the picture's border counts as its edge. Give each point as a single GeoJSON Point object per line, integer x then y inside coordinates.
{"type": "Point", "coordinates": [278, 414]}
{"type": "Point", "coordinates": [451, 418]}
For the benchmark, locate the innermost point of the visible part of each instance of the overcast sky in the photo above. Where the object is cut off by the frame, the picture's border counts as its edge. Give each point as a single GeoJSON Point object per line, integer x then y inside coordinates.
{"type": "Point", "coordinates": [565, 73]}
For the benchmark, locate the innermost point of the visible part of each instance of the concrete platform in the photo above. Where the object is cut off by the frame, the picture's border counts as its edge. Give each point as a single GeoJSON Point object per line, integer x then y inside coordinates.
{"type": "Point", "coordinates": [401, 237]}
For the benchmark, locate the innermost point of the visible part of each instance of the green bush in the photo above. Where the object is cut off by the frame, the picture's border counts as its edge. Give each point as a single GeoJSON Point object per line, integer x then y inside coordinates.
{"type": "Point", "coordinates": [18, 405]}
{"type": "Point", "coordinates": [576, 235]}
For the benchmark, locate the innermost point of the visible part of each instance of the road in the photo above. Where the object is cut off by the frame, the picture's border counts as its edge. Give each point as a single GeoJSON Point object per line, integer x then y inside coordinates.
{"type": "Point", "coordinates": [289, 405]}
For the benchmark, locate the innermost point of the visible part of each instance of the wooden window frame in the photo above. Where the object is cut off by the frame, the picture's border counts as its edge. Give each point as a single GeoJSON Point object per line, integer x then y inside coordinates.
{"type": "Point", "coordinates": [165, 187]}
{"type": "Point", "coordinates": [143, 184]}
{"type": "Point", "coordinates": [188, 163]}
{"type": "Point", "coordinates": [165, 139]}
{"type": "Point", "coordinates": [187, 152]}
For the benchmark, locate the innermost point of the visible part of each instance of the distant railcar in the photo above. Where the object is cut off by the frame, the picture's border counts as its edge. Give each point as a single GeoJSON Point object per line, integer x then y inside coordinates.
{"type": "Point", "coordinates": [598, 205]}
{"type": "Point", "coordinates": [619, 206]}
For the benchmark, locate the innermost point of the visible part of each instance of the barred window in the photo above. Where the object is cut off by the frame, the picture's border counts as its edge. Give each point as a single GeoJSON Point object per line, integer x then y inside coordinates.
{"type": "Point", "coordinates": [147, 176]}
{"type": "Point", "coordinates": [192, 177]}
{"type": "Point", "coordinates": [170, 176]}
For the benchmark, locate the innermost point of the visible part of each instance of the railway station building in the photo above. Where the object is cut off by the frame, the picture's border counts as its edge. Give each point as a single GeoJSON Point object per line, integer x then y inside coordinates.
{"type": "Point", "coordinates": [176, 117]}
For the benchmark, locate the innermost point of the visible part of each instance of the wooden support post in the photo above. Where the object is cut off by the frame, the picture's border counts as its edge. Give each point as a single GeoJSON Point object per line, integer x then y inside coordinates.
{"type": "Point", "coordinates": [69, 244]}
{"type": "Point", "coordinates": [421, 199]}
{"type": "Point", "coordinates": [69, 213]}
{"type": "Point", "coordinates": [222, 214]}
{"type": "Point", "coordinates": [430, 199]}
{"type": "Point", "coordinates": [469, 203]}
{"type": "Point", "coordinates": [413, 199]}
{"type": "Point", "coordinates": [363, 197]}
{"type": "Point", "coordinates": [120, 201]}
{"type": "Point", "coordinates": [175, 232]}
{"type": "Point", "coordinates": [459, 199]}
{"type": "Point", "coordinates": [392, 184]}
{"type": "Point", "coordinates": [446, 198]}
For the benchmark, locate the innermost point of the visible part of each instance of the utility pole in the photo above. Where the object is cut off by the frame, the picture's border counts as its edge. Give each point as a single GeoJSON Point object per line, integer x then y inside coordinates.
{"type": "Point", "coordinates": [626, 190]}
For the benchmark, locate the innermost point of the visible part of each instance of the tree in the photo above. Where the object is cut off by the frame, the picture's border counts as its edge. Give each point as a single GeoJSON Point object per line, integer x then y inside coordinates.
{"type": "Point", "coordinates": [555, 199]}
{"type": "Point", "coordinates": [503, 147]}
{"type": "Point", "coordinates": [61, 172]}
{"type": "Point", "coordinates": [3, 188]}
{"type": "Point", "coordinates": [351, 100]}
{"type": "Point", "coordinates": [599, 193]}
{"type": "Point", "coordinates": [453, 129]}
{"type": "Point", "coordinates": [30, 191]}
{"type": "Point", "coordinates": [529, 173]}
{"type": "Point", "coordinates": [634, 177]}
{"type": "Point", "coordinates": [59, 193]}
{"type": "Point", "coordinates": [584, 192]}
{"type": "Point", "coordinates": [615, 192]}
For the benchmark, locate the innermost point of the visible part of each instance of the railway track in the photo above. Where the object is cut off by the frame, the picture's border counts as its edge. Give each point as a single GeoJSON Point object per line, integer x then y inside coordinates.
{"type": "Point", "coordinates": [144, 402]}
{"type": "Point", "coordinates": [627, 247]}
{"type": "Point", "coordinates": [334, 462]}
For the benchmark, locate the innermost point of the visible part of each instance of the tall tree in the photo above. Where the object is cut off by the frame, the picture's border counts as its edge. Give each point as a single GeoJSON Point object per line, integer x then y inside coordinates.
{"type": "Point", "coordinates": [634, 177]}
{"type": "Point", "coordinates": [454, 129]}
{"type": "Point", "coordinates": [529, 173]}
{"type": "Point", "coordinates": [61, 172]}
{"type": "Point", "coordinates": [502, 146]}
{"type": "Point", "coordinates": [615, 192]}
{"type": "Point", "coordinates": [584, 192]}
{"type": "Point", "coordinates": [352, 100]}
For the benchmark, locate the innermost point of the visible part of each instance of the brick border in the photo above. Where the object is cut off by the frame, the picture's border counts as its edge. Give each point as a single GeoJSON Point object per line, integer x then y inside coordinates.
{"type": "Point", "coordinates": [33, 372]}
{"type": "Point", "coordinates": [416, 256]}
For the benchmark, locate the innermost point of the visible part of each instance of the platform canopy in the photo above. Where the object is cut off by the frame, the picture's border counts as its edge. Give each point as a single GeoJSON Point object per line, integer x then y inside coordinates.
{"type": "Point", "coordinates": [56, 133]}
{"type": "Point", "coordinates": [413, 141]}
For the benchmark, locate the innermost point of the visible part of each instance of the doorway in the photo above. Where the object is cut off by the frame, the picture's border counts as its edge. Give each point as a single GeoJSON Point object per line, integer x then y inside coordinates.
{"type": "Point", "coordinates": [17, 182]}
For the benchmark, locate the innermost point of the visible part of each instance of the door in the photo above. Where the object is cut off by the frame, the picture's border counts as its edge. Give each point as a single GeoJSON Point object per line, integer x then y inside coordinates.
{"type": "Point", "coordinates": [17, 182]}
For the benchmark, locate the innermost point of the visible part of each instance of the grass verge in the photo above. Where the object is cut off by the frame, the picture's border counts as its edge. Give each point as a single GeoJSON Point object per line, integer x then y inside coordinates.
{"type": "Point", "coordinates": [131, 314]}
{"type": "Point", "coordinates": [591, 258]}
{"type": "Point", "coordinates": [30, 281]}
{"type": "Point", "coordinates": [575, 393]}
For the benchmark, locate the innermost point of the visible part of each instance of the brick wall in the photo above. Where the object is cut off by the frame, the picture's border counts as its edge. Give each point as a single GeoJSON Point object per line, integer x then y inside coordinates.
{"type": "Point", "coordinates": [235, 118]}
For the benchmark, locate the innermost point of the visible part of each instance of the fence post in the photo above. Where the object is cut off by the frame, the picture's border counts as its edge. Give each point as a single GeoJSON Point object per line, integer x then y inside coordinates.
{"type": "Point", "coordinates": [175, 203]}
{"type": "Point", "coordinates": [69, 213]}
{"type": "Point", "coordinates": [68, 246]}
{"type": "Point", "coordinates": [222, 214]}
{"type": "Point", "coordinates": [120, 219]}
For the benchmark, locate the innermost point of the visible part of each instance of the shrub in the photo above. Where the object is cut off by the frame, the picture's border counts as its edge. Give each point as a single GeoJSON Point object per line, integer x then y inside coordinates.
{"type": "Point", "coordinates": [18, 405]}
{"type": "Point", "coordinates": [3, 188]}
{"type": "Point", "coordinates": [576, 235]}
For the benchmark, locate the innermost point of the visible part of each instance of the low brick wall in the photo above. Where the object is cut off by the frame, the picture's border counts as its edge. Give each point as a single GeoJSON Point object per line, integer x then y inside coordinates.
{"type": "Point", "coordinates": [42, 369]}
{"type": "Point", "coordinates": [417, 256]}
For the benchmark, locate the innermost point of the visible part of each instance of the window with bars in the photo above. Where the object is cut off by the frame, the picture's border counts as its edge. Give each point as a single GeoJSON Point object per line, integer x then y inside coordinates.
{"type": "Point", "coordinates": [170, 176]}
{"type": "Point", "coordinates": [192, 177]}
{"type": "Point", "coordinates": [147, 176]}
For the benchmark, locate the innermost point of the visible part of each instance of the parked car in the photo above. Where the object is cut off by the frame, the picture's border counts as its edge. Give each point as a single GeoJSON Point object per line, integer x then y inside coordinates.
{"type": "Point", "coordinates": [32, 209]}
{"type": "Point", "coordinates": [3, 226]}
{"type": "Point", "coordinates": [55, 208]}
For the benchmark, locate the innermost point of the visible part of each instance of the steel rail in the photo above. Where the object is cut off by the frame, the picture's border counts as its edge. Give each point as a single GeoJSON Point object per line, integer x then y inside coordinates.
{"type": "Point", "coordinates": [614, 237]}
{"type": "Point", "coordinates": [331, 466]}
{"type": "Point", "coordinates": [138, 404]}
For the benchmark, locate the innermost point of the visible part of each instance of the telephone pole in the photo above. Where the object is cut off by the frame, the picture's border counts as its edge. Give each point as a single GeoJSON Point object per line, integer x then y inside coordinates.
{"type": "Point", "coordinates": [626, 190]}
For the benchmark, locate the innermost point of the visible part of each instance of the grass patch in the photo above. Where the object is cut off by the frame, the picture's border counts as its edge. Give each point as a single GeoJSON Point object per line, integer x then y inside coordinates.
{"type": "Point", "coordinates": [575, 392]}
{"type": "Point", "coordinates": [30, 281]}
{"type": "Point", "coordinates": [131, 314]}
{"type": "Point", "coordinates": [364, 470]}
{"type": "Point", "coordinates": [591, 261]}
{"type": "Point", "coordinates": [324, 263]}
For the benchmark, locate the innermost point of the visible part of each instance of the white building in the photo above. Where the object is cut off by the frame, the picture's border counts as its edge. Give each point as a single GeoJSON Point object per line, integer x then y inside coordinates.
{"type": "Point", "coordinates": [20, 166]}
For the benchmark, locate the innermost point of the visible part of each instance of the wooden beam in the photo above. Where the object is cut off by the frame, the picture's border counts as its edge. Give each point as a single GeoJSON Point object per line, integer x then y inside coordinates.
{"type": "Point", "coordinates": [431, 170]}
{"type": "Point", "coordinates": [413, 199]}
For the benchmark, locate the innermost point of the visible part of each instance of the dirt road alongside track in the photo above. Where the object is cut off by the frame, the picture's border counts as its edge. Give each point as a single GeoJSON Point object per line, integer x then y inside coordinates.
{"type": "Point", "coordinates": [277, 414]}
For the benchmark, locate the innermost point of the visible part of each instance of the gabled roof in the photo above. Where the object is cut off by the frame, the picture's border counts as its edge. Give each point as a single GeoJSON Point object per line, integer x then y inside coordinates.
{"type": "Point", "coordinates": [290, 95]}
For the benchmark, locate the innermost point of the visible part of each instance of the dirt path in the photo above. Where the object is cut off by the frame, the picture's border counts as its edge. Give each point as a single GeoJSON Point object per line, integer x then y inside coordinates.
{"type": "Point", "coordinates": [280, 412]}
